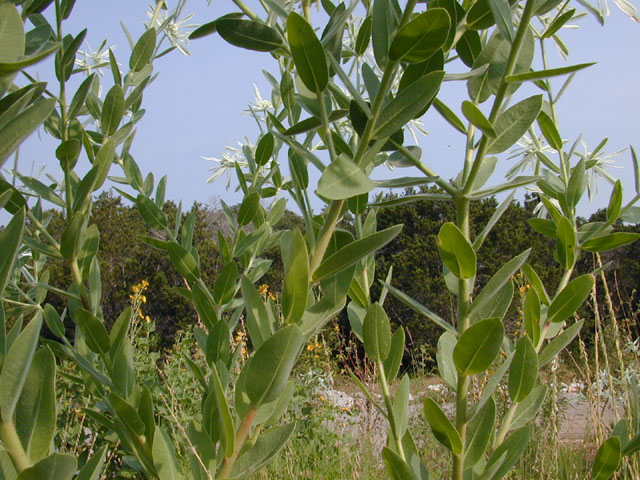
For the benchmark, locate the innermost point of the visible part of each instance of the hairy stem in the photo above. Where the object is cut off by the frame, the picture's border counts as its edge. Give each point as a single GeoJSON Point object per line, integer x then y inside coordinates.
{"type": "Point", "coordinates": [241, 438]}
{"type": "Point", "coordinates": [11, 442]}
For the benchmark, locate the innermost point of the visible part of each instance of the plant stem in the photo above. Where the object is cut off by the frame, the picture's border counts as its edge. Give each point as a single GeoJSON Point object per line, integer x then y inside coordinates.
{"type": "Point", "coordinates": [241, 438]}
{"type": "Point", "coordinates": [333, 215]}
{"type": "Point", "coordinates": [12, 443]}
{"type": "Point", "coordinates": [246, 10]}
{"type": "Point", "coordinates": [390, 415]}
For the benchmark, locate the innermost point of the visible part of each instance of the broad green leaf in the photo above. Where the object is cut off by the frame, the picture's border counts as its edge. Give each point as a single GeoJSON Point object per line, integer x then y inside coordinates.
{"type": "Point", "coordinates": [492, 384]}
{"type": "Point", "coordinates": [53, 321]}
{"type": "Point", "coordinates": [570, 298]}
{"type": "Point", "coordinates": [549, 130]}
{"type": "Point", "coordinates": [496, 306]}
{"type": "Point", "coordinates": [556, 345]}
{"type": "Point", "coordinates": [226, 420]}
{"type": "Point", "coordinates": [385, 16]}
{"type": "Point", "coordinates": [534, 280]}
{"type": "Point", "coordinates": [269, 370]}
{"type": "Point", "coordinates": [12, 39]}
{"type": "Point", "coordinates": [102, 163]}
{"type": "Point", "coordinates": [507, 454]}
{"type": "Point", "coordinates": [577, 184]}
{"type": "Point", "coordinates": [393, 361]}
{"type": "Point", "coordinates": [444, 358]}
{"type": "Point", "coordinates": [376, 333]}
{"type": "Point", "coordinates": [364, 36]}
{"type": "Point", "coordinates": [94, 331]}
{"type": "Point", "coordinates": [296, 276]}
{"type": "Point", "coordinates": [152, 215]}
{"type": "Point", "coordinates": [203, 30]}
{"type": "Point", "coordinates": [112, 111]}
{"type": "Point", "coordinates": [479, 433]}
{"type": "Point", "coordinates": [396, 467]}
{"type": "Point", "coordinates": [514, 123]}
{"type": "Point", "coordinates": [528, 408]}
{"type": "Point", "coordinates": [343, 179]}
{"type": "Point", "coordinates": [609, 241]}
{"type": "Point", "coordinates": [552, 72]}
{"type": "Point", "coordinates": [353, 252]}
{"type": "Point", "coordinates": [523, 371]}
{"type": "Point", "coordinates": [93, 469]}
{"type": "Point", "coordinates": [224, 288]}
{"type": "Point", "coordinates": [36, 410]}
{"type": "Point", "coordinates": [264, 149]}
{"type": "Point", "coordinates": [142, 52]}
{"type": "Point", "coordinates": [10, 240]}
{"type": "Point", "coordinates": [57, 466]}
{"type": "Point", "coordinates": [308, 54]}
{"type": "Point", "coordinates": [607, 459]}
{"type": "Point", "coordinates": [248, 34]}
{"type": "Point", "coordinates": [441, 426]}
{"type": "Point", "coordinates": [418, 39]}
{"type": "Point", "coordinates": [12, 67]}
{"type": "Point", "coordinates": [22, 125]}
{"type": "Point", "coordinates": [407, 104]}
{"type": "Point", "coordinates": [449, 116]}
{"type": "Point", "coordinates": [615, 202]}
{"type": "Point", "coordinates": [469, 47]}
{"type": "Point", "coordinates": [183, 261]}
{"type": "Point", "coordinates": [456, 251]}
{"type": "Point", "coordinates": [257, 317]}
{"type": "Point", "coordinates": [217, 346]}
{"type": "Point", "coordinates": [248, 208]}
{"type": "Point", "coordinates": [499, 279]}
{"type": "Point", "coordinates": [501, 11]}
{"type": "Point", "coordinates": [477, 118]}
{"type": "Point", "coordinates": [261, 453]}
{"type": "Point", "coordinates": [16, 365]}
{"type": "Point", "coordinates": [164, 456]}
{"type": "Point", "coordinates": [478, 346]}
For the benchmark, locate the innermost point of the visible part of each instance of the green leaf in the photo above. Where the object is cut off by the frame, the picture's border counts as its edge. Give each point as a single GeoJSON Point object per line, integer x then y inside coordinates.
{"type": "Point", "coordinates": [444, 358]}
{"type": "Point", "coordinates": [514, 123]}
{"type": "Point", "coordinates": [549, 130]}
{"type": "Point", "coordinates": [308, 54]}
{"type": "Point", "coordinates": [534, 280]}
{"type": "Point", "coordinates": [558, 23]}
{"type": "Point", "coordinates": [343, 179]}
{"type": "Point", "coordinates": [10, 241]}
{"type": "Point", "coordinates": [92, 470]}
{"type": "Point", "coordinates": [152, 215]}
{"type": "Point", "coordinates": [364, 36]}
{"type": "Point", "coordinates": [441, 426]}
{"type": "Point", "coordinates": [396, 467]}
{"type": "Point", "coordinates": [257, 316]}
{"type": "Point", "coordinates": [248, 208]}
{"type": "Point", "coordinates": [507, 454]}
{"type": "Point", "coordinates": [609, 242]}
{"type": "Point", "coordinates": [499, 279]}
{"type": "Point", "coordinates": [269, 370]}
{"type": "Point", "coordinates": [164, 456]}
{"type": "Point", "coordinates": [449, 116]}
{"type": "Point", "coordinates": [407, 105]}
{"type": "Point", "coordinates": [226, 420]}
{"type": "Point", "coordinates": [615, 203]}
{"type": "Point", "coordinates": [261, 453]}
{"type": "Point", "coordinates": [456, 251]}
{"type": "Point", "coordinates": [552, 72]}
{"type": "Point", "coordinates": [203, 30]}
{"type": "Point", "coordinates": [607, 459]}
{"type": "Point", "coordinates": [58, 466]}
{"type": "Point", "coordinates": [36, 410]}
{"type": "Point", "coordinates": [523, 371]}
{"type": "Point", "coordinates": [418, 39]}
{"type": "Point", "coordinates": [183, 261]}
{"type": "Point", "coordinates": [501, 11]}
{"type": "Point", "coordinates": [12, 39]}
{"type": "Point", "coordinates": [528, 408]}
{"type": "Point", "coordinates": [353, 252]}
{"type": "Point", "coordinates": [469, 47]}
{"type": "Point", "coordinates": [376, 333]}
{"type": "Point", "coordinates": [248, 34]}
{"type": "Point", "coordinates": [385, 16]}
{"type": "Point", "coordinates": [477, 118]}
{"type": "Point", "coordinates": [94, 331]}
{"type": "Point", "coordinates": [225, 287]}
{"type": "Point", "coordinates": [556, 345]}
{"type": "Point", "coordinates": [264, 149]}
{"type": "Point", "coordinates": [570, 298]}
{"type": "Point", "coordinates": [112, 111]}
{"type": "Point", "coordinates": [16, 365]}
{"type": "Point", "coordinates": [394, 359]}
{"type": "Point", "coordinates": [296, 276]}
{"type": "Point", "coordinates": [478, 346]}
{"type": "Point", "coordinates": [142, 52]}
{"type": "Point", "coordinates": [22, 125]}
{"type": "Point", "coordinates": [479, 433]}
{"type": "Point", "coordinates": [532, 315]}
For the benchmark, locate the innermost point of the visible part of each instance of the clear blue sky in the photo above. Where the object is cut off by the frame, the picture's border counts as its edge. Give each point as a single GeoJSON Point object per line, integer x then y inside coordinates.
{"type": "Point", "coordinates": [195, 106]}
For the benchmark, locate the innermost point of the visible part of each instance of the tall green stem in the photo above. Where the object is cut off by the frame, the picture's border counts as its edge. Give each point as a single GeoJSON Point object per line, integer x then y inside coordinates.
{"type": "Point", "coordinates": [12, 443]}
{"type": "Point", "coordinates": [241, 438]}
{"type": "Point", "coordinates": [389, 405]}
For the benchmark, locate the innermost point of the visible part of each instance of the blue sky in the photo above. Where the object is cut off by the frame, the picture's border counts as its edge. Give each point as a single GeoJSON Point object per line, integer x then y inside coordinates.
{"type": "Point", "coordinates": [195, 106]}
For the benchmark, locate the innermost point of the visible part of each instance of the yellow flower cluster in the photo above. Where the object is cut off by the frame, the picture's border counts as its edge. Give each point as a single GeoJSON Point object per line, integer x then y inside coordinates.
{"type": "Point", "coordinates": [138, 298]}
{"type": "Point", "coordinates": [264, 290]}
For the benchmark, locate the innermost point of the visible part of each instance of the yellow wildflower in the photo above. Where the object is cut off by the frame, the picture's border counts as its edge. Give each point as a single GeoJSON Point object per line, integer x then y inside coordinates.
{"type": "Point", "coordinates": [310, 347]}
{"type": "Point", "coordinates": [263, 289]}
